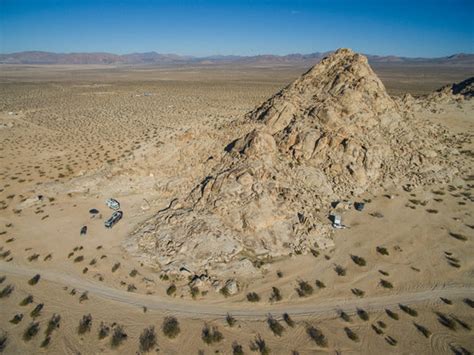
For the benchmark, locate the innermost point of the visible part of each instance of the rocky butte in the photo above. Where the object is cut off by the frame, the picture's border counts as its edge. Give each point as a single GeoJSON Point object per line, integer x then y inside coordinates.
{"type": "Point", "coordinates": [333, 133]}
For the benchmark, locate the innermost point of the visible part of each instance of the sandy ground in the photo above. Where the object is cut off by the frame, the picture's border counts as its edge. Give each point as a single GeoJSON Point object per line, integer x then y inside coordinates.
{"type": "Point", "coordinates": [78, 137]}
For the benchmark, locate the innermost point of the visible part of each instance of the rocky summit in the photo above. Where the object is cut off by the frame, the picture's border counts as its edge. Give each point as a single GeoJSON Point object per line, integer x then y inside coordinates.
{"type": "Point", "coordinates": [333, 133]}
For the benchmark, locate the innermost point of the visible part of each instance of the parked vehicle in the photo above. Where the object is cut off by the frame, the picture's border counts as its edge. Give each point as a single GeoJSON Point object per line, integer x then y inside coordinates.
{"type": "Point", "coordinates": [116, 216]}
{"type": "Point", "coordinates": [113, 204]}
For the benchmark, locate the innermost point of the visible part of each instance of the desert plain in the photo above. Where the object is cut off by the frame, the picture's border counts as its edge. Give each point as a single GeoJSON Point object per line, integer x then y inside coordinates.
{"type": "Point", "coordinates": [398, 279]}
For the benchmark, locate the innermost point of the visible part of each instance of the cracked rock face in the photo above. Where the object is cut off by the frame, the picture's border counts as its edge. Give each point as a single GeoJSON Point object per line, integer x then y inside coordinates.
{"type": "Point", "coordinates": [332, 133]}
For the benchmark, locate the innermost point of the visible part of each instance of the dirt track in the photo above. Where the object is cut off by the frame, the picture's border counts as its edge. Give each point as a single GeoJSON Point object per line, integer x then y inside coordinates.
{"type": "Point", "coordinates": [195, 310]}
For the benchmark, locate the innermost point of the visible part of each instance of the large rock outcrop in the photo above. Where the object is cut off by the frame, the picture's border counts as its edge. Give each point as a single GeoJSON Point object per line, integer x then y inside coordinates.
{"type": "Point", "coordinates": [332, 133]}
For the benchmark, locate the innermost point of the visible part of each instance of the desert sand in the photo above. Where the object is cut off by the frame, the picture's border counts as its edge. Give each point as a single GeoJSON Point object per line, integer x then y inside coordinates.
{"type": "Point", "coordinates": [227, 178]}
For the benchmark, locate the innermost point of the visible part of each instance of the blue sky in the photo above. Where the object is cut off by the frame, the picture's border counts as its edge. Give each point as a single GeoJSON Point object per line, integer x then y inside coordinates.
{"type": "Point", "coordinates": [409, 28]}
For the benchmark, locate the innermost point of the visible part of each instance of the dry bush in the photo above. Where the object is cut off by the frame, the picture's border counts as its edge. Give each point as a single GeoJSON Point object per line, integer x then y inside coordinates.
{"type": "Point", "coordinates": [34, 280]}
{"type": "Point", "coordinates": [171, 327]}
{"type": "Point", "coordinates": [358, 292]}
{"type": "Point", "coordinates": [377, 330]}
{"type": "Point", "coordinates": [392, 314]}
{"type": "Point", "coordinates": [6, 291]}
{"type": "Point", "coordinates": [382, 250]}
{"type": "Point", "coordinates": [115, 267]}
{"type": "Point", "coordinates": [304, 289]}
{"type": "Point", "coordinates": [3, 340]}
{"type": "Point", "coordinates": [84, 297]}
{"type": "Point", "coordinates": [131, 288]}
{"type": "Point", "coordinates": [320, 284]}
{"type": "Point", "coordinates": [133, 273]}
{"type": "Point", "coordinates": [423, 330]}
{"type": "Point", "coordinates": [458, 236]}
{"type": "Point", "coordinates": [237, 349]}
{"type": "Point", "coordinates": [53, 324]}
{"type": "Point", "coordinates": [408, 310]}
{"type": "Point", "coordinates": [362, 314]}
{"type": "Point", "coordinates": [85, 324]}
{"type": "Point", "coordinates": [316, 335]}
{"type": "Point", "coordinates": [171, 290]}
{"type": "Point", "coordinates": [211, 335]}
{"type": "Point", "coordinates": [104, 330]}
{"type": "Point", "coordinates": [290, 322]}
{"type": "Point", "coordinates": [276, 295]}
{"type": "Point", "coordinates": [33, 257]}
{"type": "Point", "coordinates": [17, 318]}
{"type": "Point", "coordinates": [37, 310]}
{"type": "Point", "coordinates": [358, 260]}
{"type": "Point", "coordinates": [230, 320]}
{"type": "Point", "coordinates": [31, 331]}
{"type": "Point", "coordinates": [344, 316]}
{"type": "Point", "coordinates": [340, 271]}
{"type": "Point", "coordinates": [118, 336]}
{"type": "Point", "coordinates": [46, 341]}
{"type": "Point", "coordinates": [385, 283]}
{"type": "Point", "coordinates": [194, 291]}
{"type": "Point", "coordinates": [79, 258]}
{"type": "Point", "coordinates": [351, 334]}
{"type": "Point", "coordinates": [460, 322]}
{"type": "Point", "coordinates": [148, 339]}
{"type": "Point", "coordinates": [2, 278]}
{"type": "Point", "coordinates": [392, 341]}
{"type": "Point", "coordinates": [260, 346]}
{"type": "Point", "coordinates": [253, 297]}
{"type": "Point", "coordinates": [469, 302]}
{"type": "Point", "coordinates": [27, 300]}
{"type": "Point", "coordinates": [275, 326]}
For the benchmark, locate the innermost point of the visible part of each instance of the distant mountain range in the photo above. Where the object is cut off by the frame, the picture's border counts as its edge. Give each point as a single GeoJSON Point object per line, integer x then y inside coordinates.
{"type": "Point", "coordinates": [38, 57]}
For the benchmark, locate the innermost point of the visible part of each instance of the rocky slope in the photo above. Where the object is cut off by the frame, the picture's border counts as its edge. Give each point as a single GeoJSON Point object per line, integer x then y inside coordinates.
{"type": "Point", "coordinates": [333, 133]}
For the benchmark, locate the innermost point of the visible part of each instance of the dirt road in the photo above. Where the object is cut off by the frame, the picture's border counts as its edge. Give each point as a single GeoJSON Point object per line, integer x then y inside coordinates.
{"type": "Point", "coordinates": [193, 309]}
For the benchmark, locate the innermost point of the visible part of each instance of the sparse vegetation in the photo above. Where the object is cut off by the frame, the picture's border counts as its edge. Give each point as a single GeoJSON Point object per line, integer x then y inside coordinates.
{"type": "Point", "coordinates": [118, 336]}
{"type": "Point", "coordinates": [31, 331]}
{"type": "Point", "coordinates": [382, 250]}
{"type": "Point", "coordinates": [392, 314]}
{"type": "Point", "coordinates": [276, 295]}
{"type": "Point", "coordinates": [171, 327]}
{"type": "Point", "coordinates": [237, 349]}
{"type": "Point", "coordinates": [423, 330]}
{"type": "Point", "coordinates": [362, 314]}
{"type": "Point", "coordinates": [320, 284]}
{"type": "Point", "coordinates": [6, 291]}
{"type": "Point", "coordinates": [115, 267]}
{"type": "Point", "coordinates": [53, 324]}
{"type": "Point", "coordinates": [85, 324]}
{"type": "Point", "coordinates": [171, 290]}
{"type": "Point", "coordinates": [37, 310]}
{"type": "Point", "coordinates": [358, 260]}
{"type": "Point", "coordinates": [275, 326]}
{"type": "Point", "coordinates": [230, 320]}
{"type": "Point", "coordinates": [27, 300]}
{"type": "Point", "coordinates": [104, 330]}
{"type": "Point", "coordinates": [288, 320]}
{"type": "Point", "coordinates": [260, 346]}
{"type": "Point", "coordinates": [316, 335]}
{"type": "Point", "coordinates": [340, 271]}
{"type": "Point", "coordinates": [253, 297]}
{"type": "Point", "coordinates": [79, 259]}
{"type": "Point", "coordinates": [34, 280]}
{"type": "Point", "coordinates": [304, 289]}
{"type": "Point", "coordinates": [351, 334]}
{"type": "Point", "coordinates": [408, 310]}
{"type": "Point", "coordinates": [358, 292]}
{"type": "Point", "coordinates": [211, 335]}
{"type": "Point", "coordinates": [148, 339]}
{"type": "Point", "coordinates": [385, 283]}
{"type": "Point", "coordinates": [17, 318]}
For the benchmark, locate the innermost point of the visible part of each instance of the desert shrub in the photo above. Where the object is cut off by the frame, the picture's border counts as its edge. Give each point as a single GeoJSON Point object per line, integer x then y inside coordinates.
{"type": "Point", "coordinates": [279, 274]}
{"type": "Point", "coordinates": [253, 297]}
{"type": "Point", "coordinates": [34, 280]}
{"type": "Point", "coordinates": [320, 284]}
{"type": "Point", "coordinates": [133, 273]}
{"type": "Point", "coordinates": [31, 331]}
{"type": "Point", "coordinates": [224, 291]}
{"type": "Point", "coordinates": [48, 257]}
{"type": "Point", "coordinates": [84, 297]}
{"type": "Point", "coordinates": [104, 330]}
{"type": "Point", "coordinates": [53, 323]}
{"type": "Point", "coordinates": [115, 267]}
{"type": "Point", "coordinates": [46, 341]}
{"type": "Point", "coordinates": [6, 291]}
{"type": "Point", "coordinates": [276, 295]}
{"type": "Point", "coordinates": [33, 257]}
{"type": "Point", "coordinates": [237, 349]}
{"type": "Point", "coordinates": [344, 316]}
{"type": "Point", "coordinates": [316, 335]}
{"type": "Point", "coordinates": [27, 300]}
{"type": "Point", "coordinates": [3, 340]}
{"type": "Point", "coordinates": [351, 334]}
{"type": "Point", "coordinates": [131, 288]}
{"type": "Point", "coordinates": [118, 336]}
{"type": "Point", "coordinates": [148, 339]}
{"type": "Point", "coordinates": [460, 322]}
{"type": "Point", "coordinates": [392, 341]}
{"type": "Point", "coordinates": [304, 289]}
{"type": "Point", "coordinates": [171, 290]}
{"type": "Point", "coordinates": [290, 322]}
{"type": "Point", "coordinates": [446, 321]}
{"type": "Point", "coordinates": [423, 330]}
{"type": "Point", "coordinates": [275, 326]}
{"type": "Point", "coordinates": [376, 329]}
{"type": "Point", "coordinates": [362, 314]}
{"type": "Point", "coordinates": [93, 262]}
{"type": "Point", "coordinates": [260, 346]}
{"type": "Point", "coordinates": [469, 302]}
{"type": "Point", "coordinates": [340, 271]}
{"type": "Point", "coordinates": [194, 291]}
{"type": "Point", "coordinates": [446, 300]}
{"type": "Point", "coordinates": [171, 327]}
{"type": "Point", "coordinates": [384, 273]}
{"type": "Point", "coordinates": [85, 270]}
{"type": "Point", "coordinates": [408, 310]}
{"type": "Point", "coordinates": [382, 250]}
{"type": "Point", "coordinates": [458, 236]}
{"type": "Point", "coordinates": [37, 310]}
{"type": "Point", "coordinates": [314, 252]}
{"type": "Point", "coordinates": [358, 260]}
{"type": "Point", "coordinates": [5, 254]}
{"type": "Point", "coordinates": [78, 259]}
{"type": "Point", "coordinates": [392, 314]}
{"type": "Point", "coordinates": [17, 318]}
{"type": "Point", "coordinates": [85, 324]}
{"type": "Point", "coordinates": [230, 320]}
{"type": "Point", "coordinates": [381, 324]}
{"type": "Point", "coordinates": [211, 335]}
{"type": "Point", "coordinates": [2, 278]}
{"type": "Point", "coordinates": [358, 292]}
{"type": "Point", "coordinates": [70, 254]}
{"type": "Point", "coordinates": [385, 283]}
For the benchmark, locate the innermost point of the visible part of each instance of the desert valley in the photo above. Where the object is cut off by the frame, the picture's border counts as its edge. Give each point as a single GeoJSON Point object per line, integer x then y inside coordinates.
{"type": "Point", "coordinates": [321, 207]}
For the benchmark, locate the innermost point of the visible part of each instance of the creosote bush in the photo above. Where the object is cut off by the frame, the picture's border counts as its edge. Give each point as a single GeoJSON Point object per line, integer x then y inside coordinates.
{"type": "Point", "coordinates": [118, 336]}
{"type": "Point", "coordinates": [304, 289]}
{"type": "Point", "coordinates": [171, 327]}
{"type": "Point", "coordinates": [104, 330]}
{"type": "Point", "coordinates": [148, 339]}
{"type": "Point", "coordinates": [382, 250]}
{"type": "Point", "coordinates": [290, 322]}
{"type": "Point", "coordinates": [316, 335]}
{"type": "Point", "coordinates": [276, 295]}
{"type": "Point", "coordinates": [358, 260]}
{"type": "Point", "coordinates": [253, 297]}
{"type": "Point", "coordinates": [275, 326]}
{"type": "Point", "coordinates": [85, 324]}
{"type": "Point", "coordinates": [31, 331]}
{"type": "Point", "coordinates": [230, 320]}
{"type": "Point", "coordinates": [211, 335]}
{"type": "Point", "coordinates": [171, 290]}
{"type": "Point", "coordinates": [34, 280]}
